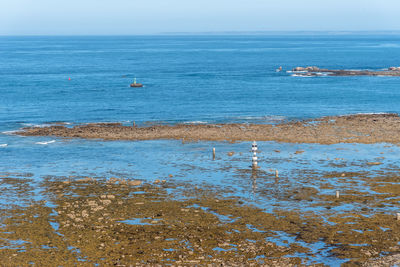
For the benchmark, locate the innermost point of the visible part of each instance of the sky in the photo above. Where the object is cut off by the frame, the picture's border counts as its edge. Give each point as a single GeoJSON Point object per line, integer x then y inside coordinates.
{"type": "Point", "coordinates": [128, 17]}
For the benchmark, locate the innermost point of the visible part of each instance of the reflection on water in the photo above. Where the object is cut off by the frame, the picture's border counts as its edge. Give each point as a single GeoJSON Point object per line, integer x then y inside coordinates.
{"type": "Point", "coordinates": [305, 187]}
{"type": "Point", "coordinates": [327, 168]}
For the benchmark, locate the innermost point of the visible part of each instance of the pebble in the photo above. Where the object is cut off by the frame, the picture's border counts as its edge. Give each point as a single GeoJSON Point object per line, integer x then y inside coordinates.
{"type": "Point", "coordinates": [135, 183]}
{"type": "Point", "coordinates": [374, 163]}
{"type": "Point", "coordinates": [106, 202]}
{"type": "Point", "coordinates": [87, 179]}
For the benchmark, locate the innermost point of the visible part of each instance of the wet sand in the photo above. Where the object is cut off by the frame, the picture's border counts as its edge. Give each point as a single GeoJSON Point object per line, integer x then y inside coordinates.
{"type": "Point", "coordinates": [361, 128]}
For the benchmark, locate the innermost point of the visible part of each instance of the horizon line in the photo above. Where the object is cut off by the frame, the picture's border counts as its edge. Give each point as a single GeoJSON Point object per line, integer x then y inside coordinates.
{"type": "Point", "coordinates": [291, 32]}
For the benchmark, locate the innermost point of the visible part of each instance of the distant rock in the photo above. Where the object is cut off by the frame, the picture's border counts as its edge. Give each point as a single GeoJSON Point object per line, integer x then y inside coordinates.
{"type": "Point", "coordinates": [316, 71]}
{"type": "Point", "coordinates": [299, 69]}
{"type": "Point", "coordinates": [312, 68]}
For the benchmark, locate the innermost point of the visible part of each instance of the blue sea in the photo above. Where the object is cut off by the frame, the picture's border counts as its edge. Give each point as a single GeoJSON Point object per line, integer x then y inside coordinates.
{"type": "Point", "coordinates": [191, 79]}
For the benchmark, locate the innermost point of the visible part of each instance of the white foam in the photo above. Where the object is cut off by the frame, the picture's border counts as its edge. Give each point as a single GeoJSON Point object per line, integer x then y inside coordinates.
{"type": "Point", "coordinates": [10, 132]}
{"type": "Point", "coordinates": [365, 113]}
{"type": "Point", "coordinates": [31, 125]}
{"type": "Point", "coordinates": [373, 113]}
{"type": "Point", "coordinates": [43, 125]}
{"type": "Point", "coordinates": [300, 75]}
{"type": "Point", "coordinates": [3, 145]}
{"type": "Point", "coordinates": [195, 122]}
{"type": "Point", "coordinates": [45, 142]}
{"type": "Point", "coordinates": [262, 118]}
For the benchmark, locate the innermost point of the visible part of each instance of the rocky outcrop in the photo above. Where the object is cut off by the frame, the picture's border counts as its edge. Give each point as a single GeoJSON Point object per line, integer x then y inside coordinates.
{"type": "Point", "coordinates": [316, 71]}
{"type": "Point", "coordinates": [361, 128]}
{"type": "Point", "coordinates": [299, 69]}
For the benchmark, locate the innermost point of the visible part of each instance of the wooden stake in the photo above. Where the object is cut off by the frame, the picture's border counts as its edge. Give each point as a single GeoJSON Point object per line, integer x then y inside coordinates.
{"type": "Point", "coordinates": [276, 173]}
{"type": "Point", "coordinates": [213, 153]}
{"type": "Point", "coordinates": [337, 194]}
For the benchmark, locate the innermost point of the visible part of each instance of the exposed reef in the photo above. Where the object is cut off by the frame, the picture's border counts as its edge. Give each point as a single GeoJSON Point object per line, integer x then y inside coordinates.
{"type": "Point", "coordinates": [361, 128]}
{"type": "Point", "coordinates": [90, 221]}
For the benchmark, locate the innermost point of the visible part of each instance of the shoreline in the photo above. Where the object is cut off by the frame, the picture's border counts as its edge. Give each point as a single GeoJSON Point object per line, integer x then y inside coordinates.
{"type": "Point", "coordinates": [357, 128]}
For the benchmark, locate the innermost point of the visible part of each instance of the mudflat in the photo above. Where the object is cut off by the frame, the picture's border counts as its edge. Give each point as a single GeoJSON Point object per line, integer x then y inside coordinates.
{"type": "Point", "coordinates": [359, 128]}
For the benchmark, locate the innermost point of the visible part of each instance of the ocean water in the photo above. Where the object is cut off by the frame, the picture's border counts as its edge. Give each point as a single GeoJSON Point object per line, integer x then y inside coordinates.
{"type": "Point", "coordinates": [191, 78]}
{"type": "Point", "coordinates": [194, 79]}
{"type": "Point", "coordinates": [187, 79]}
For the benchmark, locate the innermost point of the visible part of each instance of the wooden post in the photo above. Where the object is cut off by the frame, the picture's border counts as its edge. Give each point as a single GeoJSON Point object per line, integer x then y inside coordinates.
{"type": "Point", "coordinates": [254, 158]}
{"type": "Point", "coordinates": [213, 153]}
{"type": "Point", "coordinates": [337, 194]}
{"type": "Point", "coordinates": [276, 173]}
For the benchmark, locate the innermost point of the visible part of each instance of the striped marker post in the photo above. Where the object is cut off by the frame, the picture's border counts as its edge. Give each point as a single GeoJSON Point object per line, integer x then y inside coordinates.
{"type": "Point", "coordinates": [254, 159]}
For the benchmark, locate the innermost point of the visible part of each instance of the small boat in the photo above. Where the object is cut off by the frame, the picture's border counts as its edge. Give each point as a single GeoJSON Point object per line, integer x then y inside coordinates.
{"type": "Point", "coordinates": [135, 84]}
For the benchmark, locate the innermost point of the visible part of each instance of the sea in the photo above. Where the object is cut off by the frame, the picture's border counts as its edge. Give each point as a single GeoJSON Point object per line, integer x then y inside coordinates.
{"type": "Point", "coordinates": [190, 79]}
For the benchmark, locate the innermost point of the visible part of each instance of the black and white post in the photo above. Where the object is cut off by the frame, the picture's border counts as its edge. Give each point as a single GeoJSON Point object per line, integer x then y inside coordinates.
{"type": "Point", "coordinates": [254, 150]}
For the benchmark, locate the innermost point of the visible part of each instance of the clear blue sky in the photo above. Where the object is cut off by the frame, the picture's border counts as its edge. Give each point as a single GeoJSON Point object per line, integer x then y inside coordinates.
{"type": "Point", "coordinates": [49, 17]}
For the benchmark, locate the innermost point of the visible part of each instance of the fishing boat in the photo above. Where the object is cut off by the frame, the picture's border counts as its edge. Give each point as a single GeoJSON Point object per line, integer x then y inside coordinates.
{"type": "Point", "coordinates": [135, 84]}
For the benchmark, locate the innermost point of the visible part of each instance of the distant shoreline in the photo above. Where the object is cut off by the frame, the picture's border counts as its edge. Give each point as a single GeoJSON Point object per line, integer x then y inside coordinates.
{"type": "Point", "coordinates": [358, 128]}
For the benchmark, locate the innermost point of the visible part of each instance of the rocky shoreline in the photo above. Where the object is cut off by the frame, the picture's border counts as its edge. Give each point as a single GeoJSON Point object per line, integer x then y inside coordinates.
{"type": "Point", "coordinates": [316, 71]}
{"type": "Point", "coordinates": [359, 128]}
{"type": "Point", "coordinates": [113, 222]}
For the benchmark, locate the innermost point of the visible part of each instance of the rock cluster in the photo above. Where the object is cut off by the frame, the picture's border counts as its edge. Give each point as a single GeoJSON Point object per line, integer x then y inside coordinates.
{"type": "Point", "coordinates": [312, 69]}
{"type": "Point", "coordinates": [315, 71]}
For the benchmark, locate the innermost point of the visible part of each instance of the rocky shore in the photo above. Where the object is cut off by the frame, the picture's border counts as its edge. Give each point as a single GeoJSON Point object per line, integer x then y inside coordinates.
{"type": "Point", "coordinates": [361, 128]}
{"type": "Point", "coordinates": [316, 71]}
{"type": "Point", "coordinates": [112, 222]}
